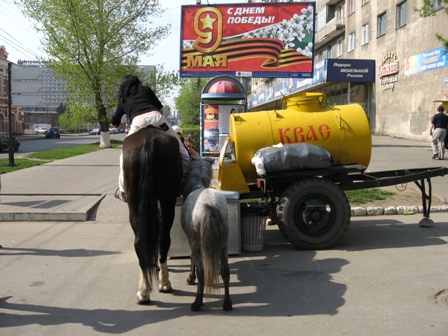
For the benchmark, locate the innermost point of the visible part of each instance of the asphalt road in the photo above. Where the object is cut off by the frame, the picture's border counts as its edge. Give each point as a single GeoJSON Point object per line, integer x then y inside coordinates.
{"type": "Point", "coordinates": [37, 143]}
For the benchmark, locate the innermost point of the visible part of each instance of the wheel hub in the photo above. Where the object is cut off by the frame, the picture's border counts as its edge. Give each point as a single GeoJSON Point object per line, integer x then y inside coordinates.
{"type": "Point", "coordinates": [313, 218]}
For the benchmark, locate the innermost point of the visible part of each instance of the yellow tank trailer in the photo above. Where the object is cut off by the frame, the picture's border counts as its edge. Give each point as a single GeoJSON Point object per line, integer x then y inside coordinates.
{"type": "Point", "coordinates": [310, 206]}
{"type": "Point", "coordinates": [342, 130]}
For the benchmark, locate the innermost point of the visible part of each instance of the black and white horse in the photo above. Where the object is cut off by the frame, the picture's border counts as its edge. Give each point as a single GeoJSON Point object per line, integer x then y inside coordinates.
{"type": "Point", "coordinates": [205, 221]}
{"type": "Point", "coordinates": [152, 175]}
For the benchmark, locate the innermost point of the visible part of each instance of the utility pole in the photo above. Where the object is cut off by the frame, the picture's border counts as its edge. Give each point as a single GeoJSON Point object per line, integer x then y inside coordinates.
{"type": "Point", "coordinates": [8, 87]}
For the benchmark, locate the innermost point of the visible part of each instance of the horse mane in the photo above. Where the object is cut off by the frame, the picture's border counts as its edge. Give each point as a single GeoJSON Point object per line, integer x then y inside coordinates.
{"type": "Point", "coordinates": [199, 175]}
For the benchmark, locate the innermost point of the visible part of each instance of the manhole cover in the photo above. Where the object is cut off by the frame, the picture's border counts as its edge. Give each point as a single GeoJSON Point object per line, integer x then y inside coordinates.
{"type": "Point", "coordinates": [442, 298]}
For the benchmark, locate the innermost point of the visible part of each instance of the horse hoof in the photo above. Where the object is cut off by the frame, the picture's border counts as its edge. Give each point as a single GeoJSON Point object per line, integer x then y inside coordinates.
{"type": "Point", "coordinates": [165, 288]}
{"type": "Point", "coordinates": [191, 280]}
{"type": "Point", "coordinates": [196, 306]}
{"type": "Point", "coordinates": [227, 306]}
{"type": "Point", "coordinates": [143, 299]}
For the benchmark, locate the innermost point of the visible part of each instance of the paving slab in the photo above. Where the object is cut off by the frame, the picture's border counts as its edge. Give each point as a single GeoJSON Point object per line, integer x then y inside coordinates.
{"type": "Point", "coordinates": [86, 176]}
{"type": "Point", "coordinates": [47, 207]}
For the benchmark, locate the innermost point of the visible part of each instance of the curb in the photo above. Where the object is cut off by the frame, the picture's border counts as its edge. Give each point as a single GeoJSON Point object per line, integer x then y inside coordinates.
{"type": "Point", "coordinates": [399, 210]}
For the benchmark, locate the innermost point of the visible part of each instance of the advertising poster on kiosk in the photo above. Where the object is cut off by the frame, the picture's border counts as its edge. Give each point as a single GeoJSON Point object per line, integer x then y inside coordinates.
{"type": "Point", "coordinates": [211, 128]}
{"type": "Point", "coordinates": [216, 125]}
{"type": "Point", "coordinates": [248, 40]}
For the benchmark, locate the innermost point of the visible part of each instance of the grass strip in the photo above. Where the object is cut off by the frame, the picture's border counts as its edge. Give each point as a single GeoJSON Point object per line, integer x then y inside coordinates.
{"type": "Point", "coordinates": [367, 195]}
{"type": "Point", "coordinates": [36, 159]}
{"type": "Point", "coordinates": [355, 197]}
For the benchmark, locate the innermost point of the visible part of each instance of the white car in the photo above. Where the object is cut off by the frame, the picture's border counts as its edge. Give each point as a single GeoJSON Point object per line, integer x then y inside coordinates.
{"type": "Point", "coordinates": [41, 130]}
{"type": "Point", "coordinates": [113, 130]}
{"type": "Point", "coordinates": [95, 131]}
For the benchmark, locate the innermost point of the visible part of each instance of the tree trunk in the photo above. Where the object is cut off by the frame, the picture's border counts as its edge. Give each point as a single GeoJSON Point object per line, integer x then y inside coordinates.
{"type": "Point", "coordinates": [104, 122]}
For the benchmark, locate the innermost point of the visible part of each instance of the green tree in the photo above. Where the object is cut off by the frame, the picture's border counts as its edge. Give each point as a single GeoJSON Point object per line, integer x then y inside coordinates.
{"type": "Point", "coordinates": [61, 108]}
{"type": "Point", "coordinates": [429, 9]}
{"type": "Point", "coordinates": [91, 44]}
{"type": "Point", "coordinates": [67, 122]}
{"type": "Point", "coordinates": [189, 100]}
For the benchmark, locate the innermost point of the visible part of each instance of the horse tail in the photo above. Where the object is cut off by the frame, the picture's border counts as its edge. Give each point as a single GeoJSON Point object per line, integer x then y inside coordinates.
{"type": "Point", "coordinates": [213, 236]}
{"type": "Point", "coordinates": [148, 225]}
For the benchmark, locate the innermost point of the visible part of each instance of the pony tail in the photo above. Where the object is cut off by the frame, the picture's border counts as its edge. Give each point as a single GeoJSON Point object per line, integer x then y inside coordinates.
{"type": "Point", "coordinates": [211, 235]}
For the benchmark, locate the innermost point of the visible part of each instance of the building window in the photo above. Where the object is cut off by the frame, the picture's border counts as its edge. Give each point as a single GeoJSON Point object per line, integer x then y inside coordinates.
{"type": "Point", "coordinates": [436, 4]}
{"type": "Point", "coordinates": [402, 14]}
{"type": "Point", "coordinates": [340, 14]}
{"type": "Point", "coordinates": [339, 47]}
{"type": "Point", "coordinates": [381, 24]}
{"type": "Point", "coordinates": [321, 19]}
{"type": "Point", "coordinates": [330, 52]}
{"type": "Point", "coordinates": [351, 6]}
{"type": "Point", "coordinates": [365, 34]}
{"type": "Point", "coordinates": [351, 42]}
{"type": "Point", "coordinates": [364, 2]}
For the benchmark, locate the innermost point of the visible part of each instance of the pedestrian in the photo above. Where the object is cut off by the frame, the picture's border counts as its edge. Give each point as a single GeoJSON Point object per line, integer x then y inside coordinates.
{"type": "Point", "coordinates": [142, 107]}
{"type": "Point", "coordinates": [187, 144]}
{"type": "Point", "coordinates": [438, 131]}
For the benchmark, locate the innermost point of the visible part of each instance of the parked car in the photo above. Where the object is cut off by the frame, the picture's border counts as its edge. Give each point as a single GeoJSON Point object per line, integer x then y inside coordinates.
{"type": "Point", "coordinates": [41, 130]}
{"type": "Point", "coordinates": [53, 132]}
{"type": "Point", "coordinates": [113, 130]}
{"type": "Point", "coordinates": [4, 142]}
{"type": "Point", "coordinates": [95, 131]}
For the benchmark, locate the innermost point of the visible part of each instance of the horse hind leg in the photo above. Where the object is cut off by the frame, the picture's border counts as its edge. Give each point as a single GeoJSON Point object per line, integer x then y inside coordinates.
{"type": "Point", "coordinates": [168, 212]}
{"type": "Point", "coordinates": [225, 274]}
{"type": "Point", "coordinates": [192, 276]}
{"type": "Point", "coordinates": [144, 288]}
{"type": "Point", "coordinates": [164, 280]}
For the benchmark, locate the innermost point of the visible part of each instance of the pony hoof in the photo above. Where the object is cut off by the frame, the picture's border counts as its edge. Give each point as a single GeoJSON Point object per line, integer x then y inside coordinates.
{"type": "Point", "coordinates": [227, 306]}
{"type": "Point", "coordinates": [165, 288]}
{"type": "Point", "coordinates": [196, 306]}
{"type": "Point", "coordinates": [191, 280]}
{"type": "Point", "coordinates": [142, 299]}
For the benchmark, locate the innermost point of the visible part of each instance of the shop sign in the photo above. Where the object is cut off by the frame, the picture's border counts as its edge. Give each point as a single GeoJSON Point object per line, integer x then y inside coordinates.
{"type": "Point", "coordinates": [388, 71]}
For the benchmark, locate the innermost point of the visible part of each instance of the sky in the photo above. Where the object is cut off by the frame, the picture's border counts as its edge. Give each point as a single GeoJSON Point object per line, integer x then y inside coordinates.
{"type": "Point", "coordinates": [22, 42]}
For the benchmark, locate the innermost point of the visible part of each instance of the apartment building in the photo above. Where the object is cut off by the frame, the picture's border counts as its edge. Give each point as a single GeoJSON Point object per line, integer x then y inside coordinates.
{"type": "Point", "coordinates": [381, 54]}
{"type": "Point", "coordinates": [16, 114]}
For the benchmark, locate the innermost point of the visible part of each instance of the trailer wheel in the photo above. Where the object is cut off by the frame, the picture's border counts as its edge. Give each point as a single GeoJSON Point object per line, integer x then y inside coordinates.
{"type": "Point", "coordinates": [313, 214]}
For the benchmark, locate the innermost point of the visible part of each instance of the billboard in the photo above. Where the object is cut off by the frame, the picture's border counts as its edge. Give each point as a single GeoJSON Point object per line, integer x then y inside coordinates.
{"type": "Point", "coordinates": [248, 40]}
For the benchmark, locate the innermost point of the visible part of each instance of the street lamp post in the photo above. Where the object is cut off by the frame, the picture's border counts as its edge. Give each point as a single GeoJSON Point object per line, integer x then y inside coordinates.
{"type": "Point", "coordinates": [11, 148]}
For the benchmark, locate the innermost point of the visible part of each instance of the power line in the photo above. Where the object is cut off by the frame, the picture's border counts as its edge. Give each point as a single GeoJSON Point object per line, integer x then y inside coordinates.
{"type": "Point", "coordinates": [10, 14]}
{"type": "Point", "coordinates": [17, 43]}
{"type": "Point", "coordinates": [18, 48]}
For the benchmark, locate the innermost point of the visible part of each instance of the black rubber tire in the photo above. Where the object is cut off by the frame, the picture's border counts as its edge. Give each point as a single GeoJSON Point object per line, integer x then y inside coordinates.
{"type": "Point", "coordinates": [313, 214]}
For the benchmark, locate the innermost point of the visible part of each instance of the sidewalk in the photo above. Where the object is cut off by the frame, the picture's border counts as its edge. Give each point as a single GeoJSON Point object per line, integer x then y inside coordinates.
{"type": "Point", "coordinates": [386, 276]}
{"type": "Point", "coordinates": [73, 189]}
{"type": "Point", "coordinates": [82, 188]}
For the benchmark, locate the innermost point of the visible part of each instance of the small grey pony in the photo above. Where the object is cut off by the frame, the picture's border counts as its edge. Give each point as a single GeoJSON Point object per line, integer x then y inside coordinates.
{"type": "Point", "coordinates": [204, 220]}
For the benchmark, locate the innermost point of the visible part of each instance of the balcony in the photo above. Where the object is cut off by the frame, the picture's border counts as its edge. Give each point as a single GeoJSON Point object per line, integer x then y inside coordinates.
{"type": "Point", "coordinates": [321, 3]}
{"type": "Point", "coordinates": [333, 29]}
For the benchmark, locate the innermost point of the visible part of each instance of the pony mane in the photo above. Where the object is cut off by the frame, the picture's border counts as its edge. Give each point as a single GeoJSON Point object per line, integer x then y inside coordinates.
{"type": "Point", "coordinates": [198, 175]}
